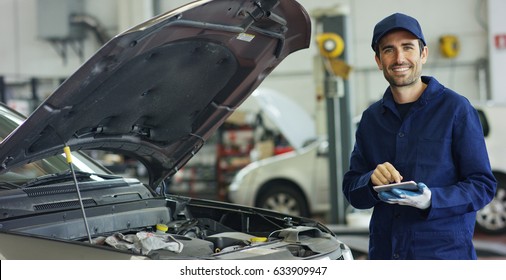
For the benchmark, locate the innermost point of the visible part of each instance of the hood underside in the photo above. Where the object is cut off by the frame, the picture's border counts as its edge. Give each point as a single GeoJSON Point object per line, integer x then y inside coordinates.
{"type": "Point", "coordinates": [290, 118]}
{"type": "Point", "coordinates": [158, 91]}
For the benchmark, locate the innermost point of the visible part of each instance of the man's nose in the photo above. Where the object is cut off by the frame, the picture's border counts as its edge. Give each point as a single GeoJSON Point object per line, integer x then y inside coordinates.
{"type": "Point", "coordinates": [399, 57]}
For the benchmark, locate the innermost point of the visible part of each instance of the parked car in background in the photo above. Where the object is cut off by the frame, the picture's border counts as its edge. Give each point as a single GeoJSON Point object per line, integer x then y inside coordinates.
{"type": "Point", "coordinates": [156, 93]}
{"type": "Point", "coordinates": [295, 182]}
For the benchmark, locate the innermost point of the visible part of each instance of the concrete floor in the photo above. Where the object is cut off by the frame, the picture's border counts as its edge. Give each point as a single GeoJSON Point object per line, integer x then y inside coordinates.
{"type": "Point", "coordinates": [491, 247]}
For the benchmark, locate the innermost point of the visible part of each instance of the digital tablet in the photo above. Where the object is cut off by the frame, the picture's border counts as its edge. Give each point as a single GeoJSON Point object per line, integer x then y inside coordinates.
{"type": "Point", "coordinates": [408, 185]}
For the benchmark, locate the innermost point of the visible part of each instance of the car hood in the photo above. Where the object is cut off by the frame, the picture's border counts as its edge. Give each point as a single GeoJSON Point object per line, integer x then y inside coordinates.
{"type": "Point", "coordinates": [290, 118]}
{"type": "Point", "coordinates": [158, 91]}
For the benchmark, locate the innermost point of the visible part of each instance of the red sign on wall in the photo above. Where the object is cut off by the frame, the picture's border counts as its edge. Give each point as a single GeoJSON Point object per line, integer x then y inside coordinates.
{"type": "Point", "coordinates": [500, 41]}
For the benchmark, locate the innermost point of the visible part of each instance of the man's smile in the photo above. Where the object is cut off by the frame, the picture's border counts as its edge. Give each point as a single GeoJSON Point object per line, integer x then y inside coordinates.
{"type": "Point", "coordinates": [401, 68]}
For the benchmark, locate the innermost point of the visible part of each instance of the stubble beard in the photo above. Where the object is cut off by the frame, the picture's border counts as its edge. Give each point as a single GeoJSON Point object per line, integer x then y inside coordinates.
{"type": "Point", "coordinates": [402, 81]}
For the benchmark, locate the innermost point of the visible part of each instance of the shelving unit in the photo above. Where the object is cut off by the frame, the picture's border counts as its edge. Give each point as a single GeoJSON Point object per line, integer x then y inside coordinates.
{"type": "Point", "coordinates": [198, 177]}
{"type": "Point", "coordinates": [235, 143]}
{"type": "Point", "coordinates": [25, 94]}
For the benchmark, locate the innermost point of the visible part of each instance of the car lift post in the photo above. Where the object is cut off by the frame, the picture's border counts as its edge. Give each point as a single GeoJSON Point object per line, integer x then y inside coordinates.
{"type": "Point", "coordinates": [338, 113]}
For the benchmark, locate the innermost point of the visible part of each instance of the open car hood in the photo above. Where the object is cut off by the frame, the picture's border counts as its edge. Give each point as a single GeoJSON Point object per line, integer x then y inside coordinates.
{"type": "Point", "coordinates": [290, 118]}
{"type": "Point", "coordinates": [158, 91]}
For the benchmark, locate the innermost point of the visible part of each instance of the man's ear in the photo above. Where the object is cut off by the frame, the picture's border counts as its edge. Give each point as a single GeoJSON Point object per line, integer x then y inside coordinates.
{"type": "Point", "coordinates": [425, 54]}
{"type": "Point", "coordinates": [378, 61]}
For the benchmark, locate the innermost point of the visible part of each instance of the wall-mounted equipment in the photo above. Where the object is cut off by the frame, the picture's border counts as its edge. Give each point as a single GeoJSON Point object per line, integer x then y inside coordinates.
{"type": "Point", "coordinates": [64, 23]}
{"type": "Point", "coordinates": [331, 46]}
{"type": "Point", "coordinates": [53, 19]}
{"type": "Point", "coordinates": [449, 46]}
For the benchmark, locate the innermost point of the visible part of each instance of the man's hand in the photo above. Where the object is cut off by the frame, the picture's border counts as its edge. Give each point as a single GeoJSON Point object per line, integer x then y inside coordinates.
{"type": "Point", "coordinates": [420, 199]}
{"type": "Point", "coordinates": [384, 174]}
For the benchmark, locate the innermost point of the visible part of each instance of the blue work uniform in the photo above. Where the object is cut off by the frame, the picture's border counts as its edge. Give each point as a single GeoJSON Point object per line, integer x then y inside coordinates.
{"type": "Point", "coordinates": [440, 142]}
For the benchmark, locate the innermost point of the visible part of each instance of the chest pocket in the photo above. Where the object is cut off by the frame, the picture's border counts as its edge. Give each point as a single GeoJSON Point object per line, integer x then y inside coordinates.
{"type": "Point", "coordinates": [434, 162]}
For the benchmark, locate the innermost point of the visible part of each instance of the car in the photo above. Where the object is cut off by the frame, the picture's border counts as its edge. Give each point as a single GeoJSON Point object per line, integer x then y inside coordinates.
{"type": "Point", "coordinates": [155, 93]}
{"type": "Point", "coordinates": [294, 182]}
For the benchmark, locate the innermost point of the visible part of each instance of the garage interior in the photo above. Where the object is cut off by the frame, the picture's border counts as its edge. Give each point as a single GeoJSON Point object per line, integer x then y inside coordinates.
{"type": "Point", "coordinates": [44, 41]}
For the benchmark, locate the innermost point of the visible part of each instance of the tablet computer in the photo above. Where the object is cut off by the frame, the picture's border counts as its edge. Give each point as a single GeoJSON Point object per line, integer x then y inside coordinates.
{"type": "Point", "coordinates": [408, 185]}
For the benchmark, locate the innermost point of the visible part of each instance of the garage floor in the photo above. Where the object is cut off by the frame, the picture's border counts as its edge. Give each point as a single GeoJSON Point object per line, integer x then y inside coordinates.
{"type": "Point", "coordinates": [490, 247]}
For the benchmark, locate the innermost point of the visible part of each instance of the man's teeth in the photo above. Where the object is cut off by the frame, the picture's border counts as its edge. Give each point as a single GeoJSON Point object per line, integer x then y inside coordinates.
{"type": "Point", "coordinates": [401, 69]}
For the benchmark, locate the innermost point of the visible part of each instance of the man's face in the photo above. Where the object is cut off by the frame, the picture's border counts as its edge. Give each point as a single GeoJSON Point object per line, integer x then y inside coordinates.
{"type": "Point", "coordinates": [400, 58]}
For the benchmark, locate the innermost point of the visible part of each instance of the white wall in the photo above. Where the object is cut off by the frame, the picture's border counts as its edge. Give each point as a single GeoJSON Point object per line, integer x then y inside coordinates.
{"type": "Point", "coordinates": [22, 54]}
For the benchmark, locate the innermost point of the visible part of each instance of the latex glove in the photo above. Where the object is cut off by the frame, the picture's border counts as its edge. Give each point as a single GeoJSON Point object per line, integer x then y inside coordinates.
{"type": "Point", "coordinates": [420, 199]}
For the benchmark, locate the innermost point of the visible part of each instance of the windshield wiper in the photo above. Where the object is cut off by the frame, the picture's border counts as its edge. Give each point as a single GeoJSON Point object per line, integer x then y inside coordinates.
{"type": "Point", "coordinates": [64, 176]}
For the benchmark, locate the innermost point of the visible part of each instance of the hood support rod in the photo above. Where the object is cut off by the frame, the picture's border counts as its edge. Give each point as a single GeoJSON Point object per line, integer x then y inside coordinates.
{"type": "Point", "coordinates": [68, 155]}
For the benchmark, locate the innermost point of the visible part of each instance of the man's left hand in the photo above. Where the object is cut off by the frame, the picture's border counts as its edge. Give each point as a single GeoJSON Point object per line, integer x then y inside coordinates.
{"type": "Point", "coordinates": [420, 199]}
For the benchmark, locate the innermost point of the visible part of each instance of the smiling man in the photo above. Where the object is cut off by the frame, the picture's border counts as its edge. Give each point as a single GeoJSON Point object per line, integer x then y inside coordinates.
{"type": "Point", "coordinates": [424, 132]}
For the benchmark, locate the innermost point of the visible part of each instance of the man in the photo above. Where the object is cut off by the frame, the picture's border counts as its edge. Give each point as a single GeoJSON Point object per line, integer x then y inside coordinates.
{"type": "Point", "coordinates": [424, 132]}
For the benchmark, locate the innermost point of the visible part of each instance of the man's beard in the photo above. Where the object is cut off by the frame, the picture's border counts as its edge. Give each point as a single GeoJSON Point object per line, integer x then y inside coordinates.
{"type": "Point", "coordinates": [404, 81]}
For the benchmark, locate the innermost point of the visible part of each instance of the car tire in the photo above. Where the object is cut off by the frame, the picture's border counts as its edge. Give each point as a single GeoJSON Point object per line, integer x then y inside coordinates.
{"type": "Point", "coordinates": [491, 219]}
{"type": "Point", "coordinates": [283, 198]}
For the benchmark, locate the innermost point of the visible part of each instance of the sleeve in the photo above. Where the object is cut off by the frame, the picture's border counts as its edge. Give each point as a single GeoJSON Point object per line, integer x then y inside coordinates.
{"type": "Point", "coordinates": [477, 185]}
{"type": "Point", "coordinates": [357, 186]}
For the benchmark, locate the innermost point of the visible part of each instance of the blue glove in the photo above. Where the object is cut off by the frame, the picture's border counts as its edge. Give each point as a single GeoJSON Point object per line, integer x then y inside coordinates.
{"type": "Point", "coordinates": [420, 199]}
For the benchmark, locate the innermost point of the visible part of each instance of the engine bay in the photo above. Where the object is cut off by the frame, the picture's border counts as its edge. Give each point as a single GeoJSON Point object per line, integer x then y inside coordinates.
{"type": "Point", "coordinates": [123, 216]}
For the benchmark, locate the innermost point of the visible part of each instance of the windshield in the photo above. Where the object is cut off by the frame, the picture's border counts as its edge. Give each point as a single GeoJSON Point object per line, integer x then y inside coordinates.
{"type": "Point", "coordinates": [9, 120]}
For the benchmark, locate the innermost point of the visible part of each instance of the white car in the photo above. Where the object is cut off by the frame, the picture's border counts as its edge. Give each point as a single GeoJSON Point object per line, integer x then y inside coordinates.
{"type": "Point", "coordinates": [295, 182]}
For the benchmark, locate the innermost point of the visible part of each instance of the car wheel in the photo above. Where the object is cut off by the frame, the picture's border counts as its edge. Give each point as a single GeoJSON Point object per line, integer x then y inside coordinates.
{"type": "Point", "coordinates": [491, 219]}
{"type": "Point", "coordinates": [283, 198]}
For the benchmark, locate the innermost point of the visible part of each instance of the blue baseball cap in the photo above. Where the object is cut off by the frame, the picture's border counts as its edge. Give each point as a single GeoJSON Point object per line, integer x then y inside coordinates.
{"type": "Point", "coordinates": [394, 22]}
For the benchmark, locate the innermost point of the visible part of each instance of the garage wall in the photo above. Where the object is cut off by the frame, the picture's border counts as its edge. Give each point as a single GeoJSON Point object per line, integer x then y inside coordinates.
{"type": "Point", "coordinates": [23, 54]}
{"type": "Point", "coordinates": [464, 18]}
{"type": "Point", "coordinates": [497, 48]}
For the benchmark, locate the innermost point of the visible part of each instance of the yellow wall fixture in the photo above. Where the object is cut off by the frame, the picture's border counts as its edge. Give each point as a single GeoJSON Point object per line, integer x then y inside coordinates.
{"type": "Point", "coordinates": [331, 45]}
{"type": "Point", "coordinates": [449, 45]}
